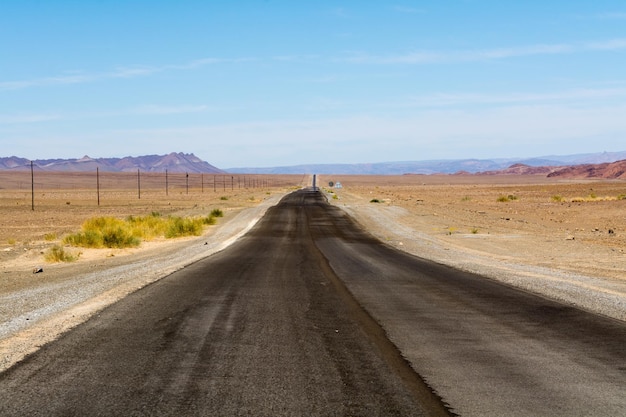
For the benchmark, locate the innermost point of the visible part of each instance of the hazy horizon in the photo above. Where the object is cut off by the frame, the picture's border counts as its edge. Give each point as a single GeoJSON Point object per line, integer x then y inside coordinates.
{"type": "Point", "coordinates": [266, 84]}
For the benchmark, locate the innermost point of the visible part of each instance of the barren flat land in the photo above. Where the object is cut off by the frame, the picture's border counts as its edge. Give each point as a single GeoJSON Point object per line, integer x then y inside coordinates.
{"type": "Point", "coordinates": [565, 239]}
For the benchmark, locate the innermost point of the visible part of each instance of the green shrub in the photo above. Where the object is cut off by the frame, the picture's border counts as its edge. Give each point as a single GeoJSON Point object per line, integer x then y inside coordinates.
{"type": "Point", "coordinates": [119, 237]}
{"type": "Point", "coordinates": [58, 254]}
{"type": "Point", "coordinates": [179, 227]}
{"type": "Point", "coordinates": [506, 198]}
{"type": "Point", "coordinates": [147, 227]}
{"type": "Point", "coordinates": [374, 200]}
{"type": "Point", "coordinates": [109, 232]}
{"type": "Point", "coordinates": [209, 220]}
{"type": "Point", "coordinates": [85, 239]}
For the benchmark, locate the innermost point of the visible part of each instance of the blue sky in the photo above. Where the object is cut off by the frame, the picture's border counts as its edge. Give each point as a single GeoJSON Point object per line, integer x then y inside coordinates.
{"type": "Point", "coordinates": [274, 83]}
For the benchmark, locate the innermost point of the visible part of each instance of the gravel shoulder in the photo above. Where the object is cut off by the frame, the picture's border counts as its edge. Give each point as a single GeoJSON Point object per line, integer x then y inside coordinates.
{"type": "Point", "coordinates": [36, 308]}
{"type": "Point", "coordinates": [509, 258]}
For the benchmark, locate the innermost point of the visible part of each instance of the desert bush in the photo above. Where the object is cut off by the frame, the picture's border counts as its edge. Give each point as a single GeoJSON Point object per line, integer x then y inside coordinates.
{"type": "Point", "coordinates": [593, 197]}
{"type": "Point", "coordinates": [147, 227]}
{"type": "Point", "coordinates": [506, 198]}
{"type": "Point", "coordinates": [58, 254]}
{"type": "Point", "coordinates": [119, 237]}
{"type": "Point", "coordinates": [474, 230]}
{"type": "Point", "coordinates": [466, 198]}
{"type": "Point", "coordinates": [223, 198]}
{"type": "Point", "coordinates": [557, 198]}
{"type": "Point", "coordinates": [374, 200]}
{"type": "Point", "coordinates": [621, 197]}
{"type": "Point", "coordinates": [179, 227]}
{"type": "Point", "coordinates": [85, 239]}
{"type": "Point", "coordinates": [50, 237]}
{"type": "Point", "coordinates": [109, 232]}
{"type": "Point", "coordinates": [11, 241]}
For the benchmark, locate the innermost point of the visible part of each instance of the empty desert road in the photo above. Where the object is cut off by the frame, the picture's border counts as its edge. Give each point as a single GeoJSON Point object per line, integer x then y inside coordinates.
{"type": "Point", "coordinates": [308, 315]}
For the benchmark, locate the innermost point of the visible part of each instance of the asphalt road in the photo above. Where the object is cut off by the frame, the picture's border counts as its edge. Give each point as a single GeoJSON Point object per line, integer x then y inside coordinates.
{"type": "Point", "coordinates": [309, 315]}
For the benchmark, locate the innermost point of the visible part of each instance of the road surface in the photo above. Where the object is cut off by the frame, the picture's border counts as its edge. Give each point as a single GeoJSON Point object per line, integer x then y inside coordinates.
{"type": "Point", "coordinates": [309, 315]}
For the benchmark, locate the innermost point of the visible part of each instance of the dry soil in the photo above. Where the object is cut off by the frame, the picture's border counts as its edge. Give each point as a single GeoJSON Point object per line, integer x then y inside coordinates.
{"type": "Point", "coordinates": [563, 239]}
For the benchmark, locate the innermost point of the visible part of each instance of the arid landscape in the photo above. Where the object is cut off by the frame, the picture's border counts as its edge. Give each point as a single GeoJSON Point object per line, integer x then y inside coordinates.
{"type": "Point", "coordinates": [35, 218]}
{"type": "Point", "coordinates": [575, 225]}
{"type": "Point", "coordinates": [548, 230]}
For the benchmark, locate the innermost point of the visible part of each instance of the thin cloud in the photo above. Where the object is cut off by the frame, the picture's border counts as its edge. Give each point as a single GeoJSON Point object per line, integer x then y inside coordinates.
{"type": "Point", "coordinates": [151, 109]}
{"type": "Point", "coordinates": [28, 118]}
{"type": "Point", "coordinates": [612, 15]}
{"type": "Point", "coordinates": [297, 58]}
{"type": "Point", "coordinates": [433, 57]}
{"type": "Point", "coordinates": [569, 96]}
{"type": "Point", "coordinates": [340, 12]}
{"type": "Point", "coordinates": [409, 10]}
{"type": "Point", "coordinates": [608, 45]}
{"type": "Point", "coordinates": [163, 110]}
{"type": "Point", "coordinates": [120, 72]}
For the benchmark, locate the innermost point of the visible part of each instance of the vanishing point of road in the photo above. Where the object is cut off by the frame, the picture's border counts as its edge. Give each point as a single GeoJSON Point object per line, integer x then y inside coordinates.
{"type": "Point", "coordinates": [307, 314]}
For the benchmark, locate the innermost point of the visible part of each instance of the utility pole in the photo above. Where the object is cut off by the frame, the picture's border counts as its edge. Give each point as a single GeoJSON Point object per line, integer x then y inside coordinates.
{"type": "Point", "coordinates": [98, 184]}
{"type": "Point", "coordinates": [32, 186]}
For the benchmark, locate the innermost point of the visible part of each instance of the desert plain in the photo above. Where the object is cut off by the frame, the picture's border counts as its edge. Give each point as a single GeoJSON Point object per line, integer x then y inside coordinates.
{"type": "Point", "coordinates": [563, 239]}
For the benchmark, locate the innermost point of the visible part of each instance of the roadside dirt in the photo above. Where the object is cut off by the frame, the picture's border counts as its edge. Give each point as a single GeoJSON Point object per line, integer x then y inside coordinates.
{"type": "Point", "coordinates": [562, 239]}
{"type": "Point", "coordinates": [35, 308]}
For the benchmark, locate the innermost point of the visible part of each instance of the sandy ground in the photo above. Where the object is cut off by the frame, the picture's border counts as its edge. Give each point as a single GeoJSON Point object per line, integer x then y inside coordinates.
{"type": "Point", "coordinates": [564, 240]}
{"type": "Point", "coordinates": [36, 308]}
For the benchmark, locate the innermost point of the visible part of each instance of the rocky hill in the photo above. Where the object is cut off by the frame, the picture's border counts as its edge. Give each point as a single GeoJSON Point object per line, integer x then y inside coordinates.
{"type": "Point", "coordinates": [522, 169]}
{"type": "Point", "coordinates": [612, 170]}
{"type": "Point", "coordinates": [443, 166]}
{"type": "Point", "coordinates": [173, 162]}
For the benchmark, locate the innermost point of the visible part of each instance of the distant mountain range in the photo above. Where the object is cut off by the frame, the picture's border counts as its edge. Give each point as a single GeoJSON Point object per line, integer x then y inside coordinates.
{"type": "Point", "coordinates": [173, 162]}
{"type": "Point", "coordinates": [609, 170]}
{"type": "Point", "coordinates": [444, 166]}
{"type": "Point", "coordinates": [593, 165]}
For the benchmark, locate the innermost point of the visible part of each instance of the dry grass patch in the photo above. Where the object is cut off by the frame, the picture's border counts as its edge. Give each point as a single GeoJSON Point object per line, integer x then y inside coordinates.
{"type": "Point", "coordinates": [111, 232]}
{"type": "Point", "coordinates": [59, 254]}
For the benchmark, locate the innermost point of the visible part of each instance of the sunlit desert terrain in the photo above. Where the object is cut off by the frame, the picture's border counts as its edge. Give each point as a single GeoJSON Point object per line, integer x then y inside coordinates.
{"type": "Point", "coordinates": [563, 239]}
{"type": "Point", "coordinates": [575, 225]}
